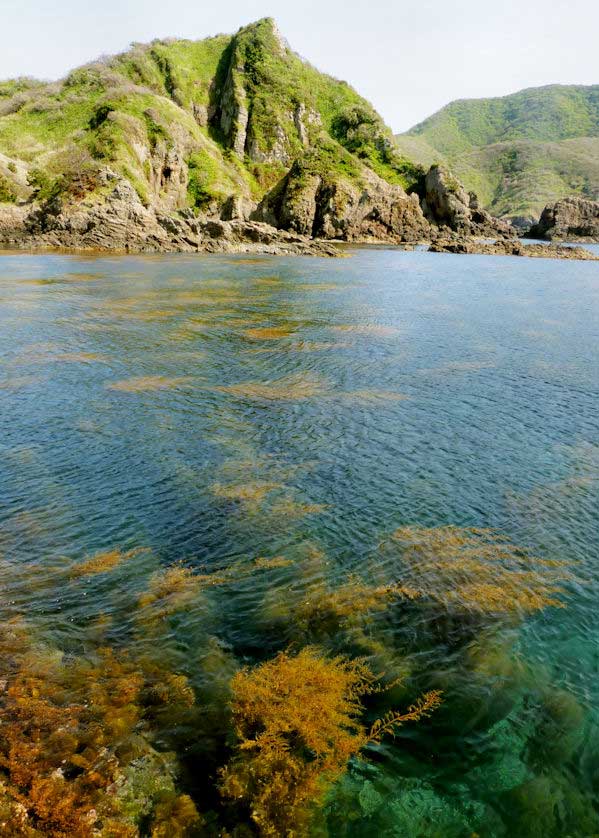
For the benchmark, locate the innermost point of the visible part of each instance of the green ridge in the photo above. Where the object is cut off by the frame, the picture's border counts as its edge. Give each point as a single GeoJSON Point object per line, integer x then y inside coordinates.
{"type": "Point", "coordinates": [518, 152]}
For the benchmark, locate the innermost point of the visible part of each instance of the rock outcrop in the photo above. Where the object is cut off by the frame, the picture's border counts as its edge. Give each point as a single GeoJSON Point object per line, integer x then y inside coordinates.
{"type": "Point", "coordinates": [571, 219]}
{"type": "Point", "coordinates": [123, 223]}
{"type": "Point", "coordinates": [252, 126]}
{"type": "Point", "coordinates": [316, 198]}
{"type": "Point", "coordinates": [232, 142]}
{"type": "Point", "coordinates": [506, 247]}
{"type": "Point", "coordinates": [447, 204]}
{"type": "Point", "coordinates": [522, 224]}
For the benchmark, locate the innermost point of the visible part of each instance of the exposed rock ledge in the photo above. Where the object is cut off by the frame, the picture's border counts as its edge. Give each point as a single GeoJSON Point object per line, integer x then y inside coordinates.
{"type": "Point", "coordinates": [122, 223]}
{"type": "Point", "coordinates": [513, 248]}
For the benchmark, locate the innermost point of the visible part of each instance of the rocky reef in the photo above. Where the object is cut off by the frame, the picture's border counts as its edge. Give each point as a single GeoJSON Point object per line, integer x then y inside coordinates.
{"type": "Point", "coordinates": [506, 247]}
{"type": "Point", "coordinates": [571, 219]}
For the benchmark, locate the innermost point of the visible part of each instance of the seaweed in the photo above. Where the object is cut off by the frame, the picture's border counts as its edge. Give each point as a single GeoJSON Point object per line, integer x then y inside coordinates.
{"type": "Point", "coordinates": [475, 571]}
{"type": "Point", "coordinates": [70, 737]}
{"type": "Point", "coordinates": [104, 562]}
{"type": "Point", "coordinates": [298, 722]}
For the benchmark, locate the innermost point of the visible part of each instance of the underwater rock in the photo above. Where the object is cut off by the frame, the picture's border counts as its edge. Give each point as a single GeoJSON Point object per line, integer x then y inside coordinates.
{"type": "Point", "coordinates": [559, 728]}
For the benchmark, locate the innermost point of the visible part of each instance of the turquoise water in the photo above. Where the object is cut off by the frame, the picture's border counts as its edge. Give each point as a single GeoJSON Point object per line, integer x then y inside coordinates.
{"type": "Point", "coordinates": [219, 409]}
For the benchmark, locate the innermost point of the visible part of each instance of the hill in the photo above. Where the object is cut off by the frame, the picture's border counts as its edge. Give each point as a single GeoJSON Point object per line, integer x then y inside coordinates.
{"type": "Point", "coordinates": [518, 152]}
{"type": "Point", "coordinates": [216, 144]}
{"type": "Point", "coordinates": [206, 127]}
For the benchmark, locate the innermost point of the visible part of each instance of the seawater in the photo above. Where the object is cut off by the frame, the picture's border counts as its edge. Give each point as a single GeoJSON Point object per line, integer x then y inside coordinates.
{"type": "Point", "coordinates": [215, 410]}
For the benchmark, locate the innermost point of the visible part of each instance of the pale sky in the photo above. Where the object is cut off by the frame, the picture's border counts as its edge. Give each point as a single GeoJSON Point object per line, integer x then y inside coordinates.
{"type": "Point", "coordinates": [409, 57]}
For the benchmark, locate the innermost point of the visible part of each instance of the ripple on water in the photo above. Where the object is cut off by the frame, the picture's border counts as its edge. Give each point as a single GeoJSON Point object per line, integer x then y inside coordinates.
{"type": "Point", "coordinates": [237, 474]}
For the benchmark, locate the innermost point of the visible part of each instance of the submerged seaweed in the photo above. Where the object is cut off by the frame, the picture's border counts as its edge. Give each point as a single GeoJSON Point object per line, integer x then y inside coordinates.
{"type": "Point", "coordinates": [298, 722]}
{"type": "Point", "coordinates": [222, 683]}
{"type": "Point", "coordinates": [476, 570]}
{"type": "Point", "coordinates": [72, 747]}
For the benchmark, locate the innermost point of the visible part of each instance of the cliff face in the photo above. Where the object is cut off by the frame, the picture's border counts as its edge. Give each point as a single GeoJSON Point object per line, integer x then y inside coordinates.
{"type": "Point", "coordinates": [572, 219]}
{"type": "Point", "coordinates": [328, 194]}
{"type": "Point", "coordinates": [143, 149]}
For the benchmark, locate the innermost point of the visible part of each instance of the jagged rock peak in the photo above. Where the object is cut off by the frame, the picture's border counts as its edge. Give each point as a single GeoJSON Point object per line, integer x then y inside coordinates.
{"type": "Point", "coordinates": [446, 203]}
{"type": "Point", "coordinates": [270, 26]}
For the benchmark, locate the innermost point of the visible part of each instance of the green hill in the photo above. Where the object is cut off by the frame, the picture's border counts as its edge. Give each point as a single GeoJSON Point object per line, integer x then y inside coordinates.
{"type": "Point", "coordinates": [188, 124]}
{"type": "Point", "coordinates": [518, 152]}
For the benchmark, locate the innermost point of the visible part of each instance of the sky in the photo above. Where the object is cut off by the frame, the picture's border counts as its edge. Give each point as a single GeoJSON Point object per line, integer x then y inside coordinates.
{"type": "Point", "coordinates": [408, 57]}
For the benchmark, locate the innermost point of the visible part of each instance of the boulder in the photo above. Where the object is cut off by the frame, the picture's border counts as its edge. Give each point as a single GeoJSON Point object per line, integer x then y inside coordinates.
{"type": "Point", "coordinates": [571, 219]}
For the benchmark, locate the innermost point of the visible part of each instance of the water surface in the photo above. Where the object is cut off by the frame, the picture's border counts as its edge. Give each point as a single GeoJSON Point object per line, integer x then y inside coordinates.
{"type": "Point", "coordinates": [218, 410]}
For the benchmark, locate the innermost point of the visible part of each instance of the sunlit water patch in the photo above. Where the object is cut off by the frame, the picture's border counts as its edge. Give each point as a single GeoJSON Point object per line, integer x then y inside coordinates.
{"type": "Point", "coordinates": [299, 546]}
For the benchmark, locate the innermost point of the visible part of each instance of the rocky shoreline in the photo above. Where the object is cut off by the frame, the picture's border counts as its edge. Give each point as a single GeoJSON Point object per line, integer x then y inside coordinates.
{"type": "Point", "coordinates": [513, 248]}
{"type": "Point", "coordinates": [446, 218]}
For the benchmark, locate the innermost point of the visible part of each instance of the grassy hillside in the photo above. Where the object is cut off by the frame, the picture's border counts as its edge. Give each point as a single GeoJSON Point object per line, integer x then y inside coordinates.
{"type": "Point", "coordinates": [188, 123]}
{"type": "Point", "coordinates": [517, 152]}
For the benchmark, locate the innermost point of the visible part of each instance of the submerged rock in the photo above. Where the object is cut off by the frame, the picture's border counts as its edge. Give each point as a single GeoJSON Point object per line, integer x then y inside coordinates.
{"type": "Point", "coordinates": [510, 247]}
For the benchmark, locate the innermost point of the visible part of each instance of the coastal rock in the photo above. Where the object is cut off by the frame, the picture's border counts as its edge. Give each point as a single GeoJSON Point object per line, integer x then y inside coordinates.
{"type": "Point", "coordinates": [233, 106]}
{"type": "Point", "coordinates": [254, 236]}
{"type": "Point", "coordinates": [316, 200]}
{"type": "Point", "coordinates": [573, 219]}
{"type": "Point", "coordinates": [523, 224]}
{"type": "Point", "coordinates": [12, 219]}
{"type": "Point", "coordinates": [507, 247]}
{"type": "Point", "coordinates": [376, 212]}
{"type": "Point", "coordinates": [236, 207]}
{"type": "Point", "coordinates": [168, 176]}
{"type": "Point", "coordinates": [123, 223]}
{"type": "Point", "coordinates": [446, 203]}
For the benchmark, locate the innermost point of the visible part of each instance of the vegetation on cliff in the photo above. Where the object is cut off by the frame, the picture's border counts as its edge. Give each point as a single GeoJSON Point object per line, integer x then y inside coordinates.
{"type": "Point", "coordinates": [188, 124]}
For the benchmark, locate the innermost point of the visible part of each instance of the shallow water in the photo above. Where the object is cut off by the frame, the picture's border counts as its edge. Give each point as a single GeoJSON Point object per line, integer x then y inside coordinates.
{"type": "Point", "coordinates": [219, 410]}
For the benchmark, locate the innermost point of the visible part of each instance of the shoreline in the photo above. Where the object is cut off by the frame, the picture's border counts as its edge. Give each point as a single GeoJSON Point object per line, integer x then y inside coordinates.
{"type": "Point", "coordinates": [286, 244]}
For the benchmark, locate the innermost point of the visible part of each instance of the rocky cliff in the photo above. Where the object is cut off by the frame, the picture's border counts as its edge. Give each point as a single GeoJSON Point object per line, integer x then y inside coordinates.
{"type": "Point", "coordinates": [571, 219]}
{"type": "Point", "coordinates": [326, 194]}
{"type": "Point", "coordinates": [197, 144]}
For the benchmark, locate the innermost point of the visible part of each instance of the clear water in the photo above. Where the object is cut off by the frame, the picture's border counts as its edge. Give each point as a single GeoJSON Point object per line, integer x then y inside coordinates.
{"type": "Point", "coordinates": [142, 405]}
